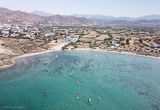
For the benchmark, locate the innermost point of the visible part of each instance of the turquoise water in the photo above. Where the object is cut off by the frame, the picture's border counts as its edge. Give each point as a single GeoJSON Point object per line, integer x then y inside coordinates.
{"type": "Point", "coordinates": [124, 82]}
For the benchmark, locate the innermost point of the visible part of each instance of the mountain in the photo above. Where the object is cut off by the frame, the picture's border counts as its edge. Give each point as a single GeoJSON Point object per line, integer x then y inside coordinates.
{"type": "Point", "coordinates": [41, 13]}
{"type": "Point", "coordinates": [135, 23]}
{"type": "Point", "coordinates": [7, 15]}
{"type": "Point", "coordinates": [110, 18]}
{"type": "Point", "coordinates": [18, 16]}
{"type": "Point", "coordinates": [149, 17]}
{"type": "Point", "coordinates": [68, 20]}
{"type": "Point", "coordinates": [97, 16]}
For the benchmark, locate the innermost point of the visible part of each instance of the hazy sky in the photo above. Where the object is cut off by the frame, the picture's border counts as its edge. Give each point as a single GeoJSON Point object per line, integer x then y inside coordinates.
{"type": "Point", "coordinates": [117, 8]}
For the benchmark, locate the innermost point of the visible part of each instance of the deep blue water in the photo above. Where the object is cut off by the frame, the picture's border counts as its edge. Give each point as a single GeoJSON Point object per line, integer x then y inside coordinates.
{"type": "Point", "coordinates": [124, 82]}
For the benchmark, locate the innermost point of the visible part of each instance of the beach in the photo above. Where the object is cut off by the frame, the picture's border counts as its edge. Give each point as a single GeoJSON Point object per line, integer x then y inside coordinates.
{"type": "Point", "coordinates": [55, 48]}
{"type": "Point", "coordinates": [59, 46]}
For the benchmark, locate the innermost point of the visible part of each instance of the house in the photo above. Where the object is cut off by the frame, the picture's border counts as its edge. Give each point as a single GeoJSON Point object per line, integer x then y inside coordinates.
{"type": "Point", "coordinates": [115, 39]}
{"type": "Point", "coordinates": [116, 45]}
{"type": "Point", "coordinates": [69, 39]}
{"type": "Point", "coordinates": [153, 46]}
{"type": "Point", "coordinates": [48, 34]}
{"type": "Point", "coordinates": [5, 32]}
{"type": "Point", "coordinates": [27, 36]}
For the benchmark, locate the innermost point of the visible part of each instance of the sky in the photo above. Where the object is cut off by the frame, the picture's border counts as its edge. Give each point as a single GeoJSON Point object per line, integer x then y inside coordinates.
{"type": "Point", "coordinates": [116, 8]}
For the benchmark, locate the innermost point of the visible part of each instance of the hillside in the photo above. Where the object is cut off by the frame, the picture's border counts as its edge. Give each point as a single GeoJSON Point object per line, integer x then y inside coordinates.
{"type": "Point", "coordinates": [18, 16]}
{"type": "Point", "coordinates": [7, 15]}
{"type": "Point", "coordinates": [68, 20]}
{"type": "Point", "coordinates": [41, 13]}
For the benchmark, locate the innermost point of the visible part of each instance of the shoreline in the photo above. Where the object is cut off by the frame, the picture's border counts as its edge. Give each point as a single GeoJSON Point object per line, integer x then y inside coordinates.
{"type": "Point", "coordinates": [128, 53]}
{"type": "Point", "coordinates": [26, 55]}
{"type": "Point", "coordinates": [55, 48]}
{"type": "Point", "coordinates": [78, 49]}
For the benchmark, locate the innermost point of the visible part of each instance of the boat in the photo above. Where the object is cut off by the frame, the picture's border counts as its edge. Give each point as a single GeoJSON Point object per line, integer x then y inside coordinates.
{"type": "Point", "coordinates": [78, 81]}
{"type": "Point", "coordinates": [99, 98]}
{"type": "Point", "coordinates": [77, 96]}
{"type": "Point", "coordinates": [46, 63]}
{"type": "Point", "coordinates": [89, 99]}
{"type": "Point", "coordinates": [70, 74]}
{"type": "Point", "coordinates": [56, 56]}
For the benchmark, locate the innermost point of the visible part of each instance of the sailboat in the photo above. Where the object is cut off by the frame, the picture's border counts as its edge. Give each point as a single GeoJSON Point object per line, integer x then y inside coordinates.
{"type": "Point", "coordinates": [89, 99]}
{"type": "Point", "coordinates": [56, 56]}
{"type": "Point", "coordinates": [99, 98]}
{"type": "Point", "coordinates": [77, 96]}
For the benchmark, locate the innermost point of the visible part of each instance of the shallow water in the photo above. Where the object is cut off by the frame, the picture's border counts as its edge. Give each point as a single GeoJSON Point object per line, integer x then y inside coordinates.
{"type": "Point", "coordinates": [124, 82]}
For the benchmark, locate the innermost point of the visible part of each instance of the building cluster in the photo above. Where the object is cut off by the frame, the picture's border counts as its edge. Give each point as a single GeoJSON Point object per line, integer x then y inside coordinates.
{"type": "Point", "coordinates": [36, 32]}
{"type": "Point", "coordinates": [18, 31]}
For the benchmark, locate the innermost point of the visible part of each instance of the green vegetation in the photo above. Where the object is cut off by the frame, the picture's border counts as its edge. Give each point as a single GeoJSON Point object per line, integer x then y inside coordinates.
{"type": "Point", "coordinates": [107, 42]}
{"type": "Point", "coordinates": [122, 44]}
{"type": "Point", "coordinates": [121, 39]}
{"type": "Point", "coordinates": [127, 41]}
{"type": "Point", "coordinates": [71, 43]}
{"type": "Point", "coordinates": [141, 40]}
{"type": "Point", "coordinates": [0, 32]}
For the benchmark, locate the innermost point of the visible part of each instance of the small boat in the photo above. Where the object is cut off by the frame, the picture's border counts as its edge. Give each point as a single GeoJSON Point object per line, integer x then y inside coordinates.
{"type": "Point", "coordinates": [89, 99]}
{"type": "Point", "coordinates": [99, 98]}
{"type": "Point", "coordinates": [77, 96]}
{"type": "Point", "coordinates": [78, 81]}
{"type": "Point", "coordinates": [56, 56]}
{"type": "Point", "coordinates": [46, 63]}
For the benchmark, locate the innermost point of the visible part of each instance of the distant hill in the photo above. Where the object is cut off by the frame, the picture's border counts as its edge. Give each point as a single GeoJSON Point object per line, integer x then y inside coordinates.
{"type": "Point", "coordinates": [41, 13]}
{"type": "Point", "coordinates": [7, 15]}
{"type": "Point", "coordinates": [135, 23]}
{"type": "Point", "coordinates": [149, 17]}
{"type": "Point", "coordinates": [69, 20]}
{"type": "Point", "coordinates": [18, 16]}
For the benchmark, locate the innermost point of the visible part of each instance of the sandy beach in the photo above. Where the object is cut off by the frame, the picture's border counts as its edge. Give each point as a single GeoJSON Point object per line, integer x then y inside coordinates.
{"type": "Point", "coordinates": [59, 46]}
{"type": "Point", "coordinates": [55, 48]}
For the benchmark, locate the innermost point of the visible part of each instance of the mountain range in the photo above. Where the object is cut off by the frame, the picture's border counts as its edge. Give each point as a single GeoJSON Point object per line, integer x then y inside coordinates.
{"type": "Point", "coordinates": [148, 17]}
{"type": "Point", "coordinates": [98, 16]}
{"type": "Point", "coordinates": [41, 13]}
{"type": "Point", "coordinates": [7, 15]}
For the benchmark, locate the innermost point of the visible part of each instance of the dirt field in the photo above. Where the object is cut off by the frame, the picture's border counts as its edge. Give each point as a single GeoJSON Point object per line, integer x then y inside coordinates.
{"type": "Point", "coordinates": [102, 37]}
{"type": "Point", "coordinates": [92, 34]}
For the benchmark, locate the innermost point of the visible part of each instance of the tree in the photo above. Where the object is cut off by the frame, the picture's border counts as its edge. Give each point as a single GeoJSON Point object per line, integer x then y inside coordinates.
{"type": "Point", "coordinates": [35, 34]}
{"type": "Point", "coordinates": [140, 40]}
{"type": "Point", "coordinates": [0, 32]}
{"type": "Point", "coordinates": [122, 44]}
{"type": "Point", "coordinates": [127, 41]}
{"type": "Point", "coordinates": [121, 39]}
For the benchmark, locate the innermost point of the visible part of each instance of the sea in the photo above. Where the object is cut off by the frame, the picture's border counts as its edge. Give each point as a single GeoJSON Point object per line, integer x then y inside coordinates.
{"type": "Point", "coordinates": [48, 81]}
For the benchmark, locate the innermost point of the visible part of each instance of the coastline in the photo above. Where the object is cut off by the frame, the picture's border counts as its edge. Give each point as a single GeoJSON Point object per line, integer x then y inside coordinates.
{"type": "Point", "coordinates": [77, 49]}
{"type": "Point", "coordinates": [26, 55]}
{"type": "Point", "coordinates": [128, 53]}
{"type": "Point", "coordinates": [55, 48]}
